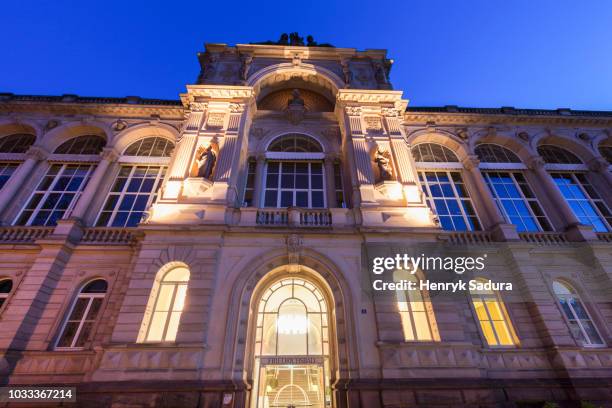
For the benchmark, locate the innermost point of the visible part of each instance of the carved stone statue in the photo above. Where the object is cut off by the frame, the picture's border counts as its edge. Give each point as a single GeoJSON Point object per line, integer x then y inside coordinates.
{"type": "Point", "coordinates": [206, 160]}
{"type": "Point", "coordinates": [246, 65]}
{"type": "Point", "coordinates": [296, 99]}
{"type": "Point", "coordinates": [295, 108]}
{"type": "Point", "coordinates": [383, 161]}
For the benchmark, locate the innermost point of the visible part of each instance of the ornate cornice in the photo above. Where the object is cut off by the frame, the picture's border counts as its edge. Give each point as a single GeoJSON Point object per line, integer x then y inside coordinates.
{"type": "Point", "coordinates": [445, 118]}
{"type": "Point", "coordinates": [197, 92]}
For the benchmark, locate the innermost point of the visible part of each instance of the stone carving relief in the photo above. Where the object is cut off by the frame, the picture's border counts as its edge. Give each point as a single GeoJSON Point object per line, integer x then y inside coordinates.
{"type": "Point", "coordinates": [206, 160]}
{"type": "Point", "coordinates": [119, 125]}
{"type": "Point", "coordinates": [52, 124]}
{"type": "Point", "coordinates": [373, 124]}
{"type": "Point", "coordinates": [215, 120]}
{"type": "Point", "coordinates": [383, 165]}
{"type": "Point", "coordinates": [295, 108]}
{"type": "Point", "coordinates": [294, 247]}
{"type": "Point", "coordinates": [246, 60]}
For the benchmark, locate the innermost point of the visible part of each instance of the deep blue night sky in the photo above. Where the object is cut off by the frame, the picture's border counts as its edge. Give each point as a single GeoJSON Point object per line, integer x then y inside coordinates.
{"type": "Point", "coordinates": [530, 54]}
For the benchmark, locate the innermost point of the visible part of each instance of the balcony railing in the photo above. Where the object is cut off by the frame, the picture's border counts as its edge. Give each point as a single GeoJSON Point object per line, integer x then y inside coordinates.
{"type": "Point", "coordinates": [107, 236]}
{"type": "Point", "coordinates": [23, 234]}
{"type": "Point", "coordinates": [294, 217]}
{"type": "Point", "coordinates": [605, 236]}
{"type": "Point", "coordinates": [469, 237]}
{"type": "Point", "coordinates": [544, 238]}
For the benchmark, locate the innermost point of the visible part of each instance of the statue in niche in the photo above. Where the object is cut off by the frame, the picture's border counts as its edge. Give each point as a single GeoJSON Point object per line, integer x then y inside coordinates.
{"type": "Point", "coordinates": [206, 159]}
{"type": "Point", "coordinates": [383, 161]}
{"type": "Point", "coordinates": [296, 99]}
{"type": "Point", "coordinates": [295, 108]}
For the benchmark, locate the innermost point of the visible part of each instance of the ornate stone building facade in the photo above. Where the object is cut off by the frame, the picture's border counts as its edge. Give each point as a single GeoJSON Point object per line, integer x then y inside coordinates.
{"type": "Point", "coordinates": [207, 252]}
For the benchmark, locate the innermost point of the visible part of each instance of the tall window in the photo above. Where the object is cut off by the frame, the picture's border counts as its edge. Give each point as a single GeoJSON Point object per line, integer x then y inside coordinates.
{"type": "Point", "coordinates": [492, 317]}
{"type": "Point", "coordinates": [418, 322]}
{"type": "Point", "coordinates": [339, 185]}
{"type": "Point", "coordinates": [165, 307]}
{"type": "Point", "coordinates": [56, 194]}
{"type": "Point", "coordinates": [6, 286]}
{"type": "Point", "coordinates": [583, 199]}
{"type": "Point", "coordinates": [136, 186]}
{"type": "Point", "coordinates": [249, 187]}
{"type": "Point", "coordinates": [77, 328]}
{"type": "Point", "coordinates": [18, 143]}
{"type": "Point", "coordinates": [581, 324]}
{"type": "Point", "coordinates": [516, 200]}
{"type": "Point", "coordinates": [445, 192]}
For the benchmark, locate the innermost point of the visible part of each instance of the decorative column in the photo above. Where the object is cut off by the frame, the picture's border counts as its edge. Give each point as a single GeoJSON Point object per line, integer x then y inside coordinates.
{"type": "Point", "coordinates": [33, 156]}
{"type": "Point", "coordinates": [363, 166]}
{"type": "Point", "coordinates": [330, 181]}
{"type": "Point", "coordinates": [259, 181]}
{"type": "Point", "coordinates": [494, 215]}
{"type": "Point", "coordinates": [574, 229]}
{"type": "Point", "coordinates": [109, 156]}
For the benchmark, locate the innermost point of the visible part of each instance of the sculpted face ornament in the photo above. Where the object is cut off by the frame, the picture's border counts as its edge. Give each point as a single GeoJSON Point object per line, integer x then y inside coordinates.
{"type": "Point", "coordinates": [383, 161]}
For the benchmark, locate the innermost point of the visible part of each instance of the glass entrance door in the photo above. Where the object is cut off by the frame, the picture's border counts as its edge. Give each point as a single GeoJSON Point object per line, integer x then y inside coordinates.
{"type": "Point", "coordinates": [291, 386]}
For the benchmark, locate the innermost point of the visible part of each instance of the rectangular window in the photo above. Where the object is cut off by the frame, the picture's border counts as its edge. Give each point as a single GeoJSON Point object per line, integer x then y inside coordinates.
{"type": "Point", "coordinates": [339, 185]}
{"type": "Point", "coordinates": [132, 193]}
{"type": "Point", "coordinates": [56, 194]}
{"type": "Point", "coordinates": [249, 188]}
{"type": "Point", "coordinates": [448, 198]}
{"type": "Point", "coordinates": [585, 202]}
{"type": "Point", "coordinates": [6, 171]}
{"type": "Point", "coordinates": [294, 184]}
{"type": "Point", "coordinates": [516, 201]}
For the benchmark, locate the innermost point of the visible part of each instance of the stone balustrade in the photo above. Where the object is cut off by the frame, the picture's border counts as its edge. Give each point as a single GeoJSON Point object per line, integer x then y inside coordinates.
{"type": "Point", "coordinates": [107, 236]}
{"type": "Point", "coordinates": [22, 234]}
{"type": "Point", "coordinates": [544, 238]}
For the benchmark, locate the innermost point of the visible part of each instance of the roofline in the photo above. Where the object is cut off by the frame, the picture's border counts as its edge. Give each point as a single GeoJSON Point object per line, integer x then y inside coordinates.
{"type": "Point", "coordinates": [70, 98]}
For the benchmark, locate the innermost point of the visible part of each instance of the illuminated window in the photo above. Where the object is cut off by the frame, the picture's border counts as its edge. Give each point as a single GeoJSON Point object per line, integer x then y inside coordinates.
{"type": "Point", "coordinates": [492, 153]}
{"type": "Point", "coordinates": [516, 201]}
{"type": "Point", "coordinates": [557, 155]}
{"type": "Point", "coordinates": [448, 198]}
{"type": "Point", "coordinates": [295, 143]}
{"type": "Point", "coordinates": [88, 144]}
{"type": "Point", "coordinates": [297, 184]}
{"type": "Point", "coordinates": [6, 171]}
{"type": "Point", "coordinates": [418, 322]}
{"type": "Point", "coordinates": [583, 199]}
{"type": "Point", "coordinates": [77, 328]}
{"type": "Point", "coordinates": [492, 317]}
{"type": "Point", "coordinates": [132, 193]}
{"type": "Point", "coordinates": [56, 194]}
{"type": "Point", "coordinates": [6, 286]}
{"type": "Point", "coordinates": [433, 153]}
{"type": "Point", "coordinates": [581, 324]}
{"type": "Point", "coordinates": [165, 307]}
{"type": "Point", "coordinates": [150, 147]}
{"type": "Point", "coordinates": [18, 143]}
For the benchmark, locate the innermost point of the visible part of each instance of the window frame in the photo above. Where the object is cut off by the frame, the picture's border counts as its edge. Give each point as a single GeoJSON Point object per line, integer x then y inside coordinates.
{"type": "Point", "coordinates": [6, 295]}
{"type": "Point", "coordinates": [280, 189]}
{"type": "Point", "coordinates": [4, 165]}
{"type": "Point", "coordinates": [407, 299]}
{"type": "Point", "coordinates": [574, 293]}
{"type": "Point", "coordinates": [507, 320]}
{"type": "Point", "coordinates": [68, 312]}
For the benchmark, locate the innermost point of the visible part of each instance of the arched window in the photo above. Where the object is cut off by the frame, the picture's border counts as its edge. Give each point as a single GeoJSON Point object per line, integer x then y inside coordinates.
{"type": "Point", "coordinates": [580, 323]}
{"type": "Point", "coordinates": [165, 306]}
{"type": "Point", "coordinates": [87, 144]}
{"type": "Point", "coordinates": [18, 143]}
{"type": "Point", "coordinates": [293, 321]}
{"type": "Point", "coordinates": [77, 328]}
{"type": "Point", "coordinates": [150, 147]}
{"type": "Point", "coordinates": [492, 316]}
{"type": "Point", "coordinates": [444, 188]}
{"type": "Point", "coordinates": [492, 153]}
{"type": "Point", "coordinates": [606, 152]}
{"type": "Point", "coordinates": [416, 313]}
{"type": "Point", "coordinates": [295, 143]}
{"type": "Point", "coordinates": [433, 153]}
{"type": "Point", "coordinates": [298, 180]}
{"type": "Point", "coordinates": [136, 186]}
{"type": "Point", "coordinates": [557, 155]}
{"type": "Point", "coordinates": [6, 286]}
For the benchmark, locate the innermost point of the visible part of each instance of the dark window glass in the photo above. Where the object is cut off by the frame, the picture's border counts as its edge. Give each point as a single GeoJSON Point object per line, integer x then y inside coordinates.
{"type": "Point", "coordinates": [18, 143]}
{"type": "Point", "coordinates": [88, 144]}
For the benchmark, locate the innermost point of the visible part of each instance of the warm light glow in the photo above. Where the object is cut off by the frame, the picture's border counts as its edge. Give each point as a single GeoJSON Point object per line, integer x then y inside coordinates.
{"type": "Point", "coordinates": [292, 324]}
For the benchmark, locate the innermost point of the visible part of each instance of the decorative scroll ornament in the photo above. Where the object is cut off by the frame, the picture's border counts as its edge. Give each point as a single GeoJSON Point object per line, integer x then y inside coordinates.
{"type": "Point", "coordinates": [236, 108]}
{"type": "Point", "coordinates": [353, 110]}
{"type": "Point", "coordinates": [119, 125]}
{"type": "Point", "coordinates": [390, 112]}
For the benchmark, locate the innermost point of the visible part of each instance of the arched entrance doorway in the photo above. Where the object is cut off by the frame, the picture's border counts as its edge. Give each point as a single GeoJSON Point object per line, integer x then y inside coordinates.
{"type": "Point", "coordinates": [291, 344]}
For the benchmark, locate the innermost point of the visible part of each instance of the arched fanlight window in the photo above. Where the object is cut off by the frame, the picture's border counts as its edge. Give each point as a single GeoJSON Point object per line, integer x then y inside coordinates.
{"type": "Point", "coordinates": [433, 153]}
{"type": "Point", "coordinates": [492, 316]}
{"type": "Point", "coordinates": [606, 152]}
{"type": "Point", "coordinates": [165, 306]}
{"type": "Point", "coordinates": [150, 147]}
{"type": "Point", "coordinates": [580, 323]}
{"type": "Point", "coordinates": [17, 143]}
{"type": "Point", "coordinates": [492, 153]}
{"type": "Point", "coordinates": [295, 143]}
{"type": "Point", "coordinates": [87, 144]}
{"type": "Point", "coordinates": [557, 155]}
{"type": "Point", "coordinates": [78, 326]}
{"type": "Point", "coordinates": [6, 286]}
{"type": "Point", "coordinates": [416, 311]}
